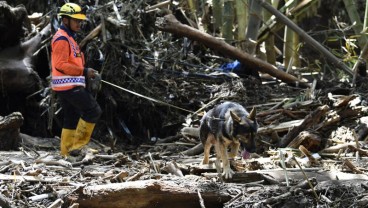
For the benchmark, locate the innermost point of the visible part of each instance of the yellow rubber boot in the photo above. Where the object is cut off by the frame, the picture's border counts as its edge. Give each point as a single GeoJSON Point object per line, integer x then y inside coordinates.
{"type": "Point", "coordinates": [67, 140]}
{"type": "Point", "coordinates": [83, 134]}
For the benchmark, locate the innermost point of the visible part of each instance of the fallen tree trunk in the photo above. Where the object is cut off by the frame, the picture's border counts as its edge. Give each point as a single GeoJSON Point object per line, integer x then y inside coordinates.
{"type": "Point", "coordinates": [154, 193]}
{"type": "Point", "coordinates": [170, 24]}
{"type": "Point", "coordinates": [184, 193]}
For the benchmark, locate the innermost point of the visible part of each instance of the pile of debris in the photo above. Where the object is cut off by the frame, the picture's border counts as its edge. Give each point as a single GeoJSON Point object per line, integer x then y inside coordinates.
{"type": "Point", "coordinates": [311, 144]}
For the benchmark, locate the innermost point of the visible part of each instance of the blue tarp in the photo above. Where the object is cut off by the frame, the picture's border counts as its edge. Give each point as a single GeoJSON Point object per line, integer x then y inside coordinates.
{"type": "Point", "coordinates": [235, 67]}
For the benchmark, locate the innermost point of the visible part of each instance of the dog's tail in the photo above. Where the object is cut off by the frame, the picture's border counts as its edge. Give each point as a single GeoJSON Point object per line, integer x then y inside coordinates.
{"type": "Point", "coordinates": [190, 131]}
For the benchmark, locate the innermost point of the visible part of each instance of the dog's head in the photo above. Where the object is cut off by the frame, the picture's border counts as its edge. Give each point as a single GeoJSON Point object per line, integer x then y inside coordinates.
{"type": "Point", "coordinates": [245, 129]}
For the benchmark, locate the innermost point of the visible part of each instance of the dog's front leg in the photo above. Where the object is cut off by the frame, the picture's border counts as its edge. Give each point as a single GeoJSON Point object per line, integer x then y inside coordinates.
{"type": "Point", "coordinates": [207, 148]}
{"type": "Point", "coordinates": [222, 151]}
{"type": "Point", "coordinates": [234, 146]}
{"type": "Point", "coordinates": [218, 158]}
{"type": "Point", "coordinates": [218, 164]}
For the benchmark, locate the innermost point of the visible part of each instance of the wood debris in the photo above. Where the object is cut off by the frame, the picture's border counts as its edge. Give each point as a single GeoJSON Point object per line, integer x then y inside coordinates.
{"type": "Point", "coordinates": [161, 72]}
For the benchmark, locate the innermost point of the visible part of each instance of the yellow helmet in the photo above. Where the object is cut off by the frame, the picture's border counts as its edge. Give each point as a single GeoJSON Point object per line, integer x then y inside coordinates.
{"type": "Point", "coordinates": [72, 10]}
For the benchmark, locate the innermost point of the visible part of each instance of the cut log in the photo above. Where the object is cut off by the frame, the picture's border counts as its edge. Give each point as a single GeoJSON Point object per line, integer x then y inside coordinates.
{"type": "Point", "coordinates": [153, 193]}
{"type": "Point", "coordinates": [170, 24]}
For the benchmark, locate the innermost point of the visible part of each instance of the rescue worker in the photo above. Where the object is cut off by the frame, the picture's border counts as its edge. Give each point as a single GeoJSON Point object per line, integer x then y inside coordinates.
{"type": "Point", "coordinates": [69, 74]}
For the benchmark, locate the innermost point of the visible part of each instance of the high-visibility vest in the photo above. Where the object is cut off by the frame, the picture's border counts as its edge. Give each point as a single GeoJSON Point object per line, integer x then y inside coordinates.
{"type": "Point", "coordinates": [61, 79]}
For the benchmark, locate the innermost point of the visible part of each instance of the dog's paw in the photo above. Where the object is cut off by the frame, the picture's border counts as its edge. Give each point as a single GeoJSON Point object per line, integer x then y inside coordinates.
{"type": "Point", "coordinates": [228, 173]}
{"type": "Point", "coordinates": [205, 161]}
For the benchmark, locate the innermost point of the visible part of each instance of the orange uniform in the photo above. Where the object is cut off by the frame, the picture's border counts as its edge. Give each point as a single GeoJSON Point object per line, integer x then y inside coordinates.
{"type": "Point", "coordinates": [80, 108]}
{"type": "Point", "coordinates": [67, 62]}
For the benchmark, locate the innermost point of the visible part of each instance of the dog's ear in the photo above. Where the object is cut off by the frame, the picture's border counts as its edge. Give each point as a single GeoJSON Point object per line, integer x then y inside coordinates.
{"type": "Point", "coordinates": [252, 114]}
{"type": "Point", "coordinates": [235, 117]}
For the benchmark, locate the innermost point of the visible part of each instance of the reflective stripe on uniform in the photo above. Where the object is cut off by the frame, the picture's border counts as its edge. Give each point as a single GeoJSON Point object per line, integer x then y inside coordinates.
{"type": "Point", "coordinates": [63, 81]}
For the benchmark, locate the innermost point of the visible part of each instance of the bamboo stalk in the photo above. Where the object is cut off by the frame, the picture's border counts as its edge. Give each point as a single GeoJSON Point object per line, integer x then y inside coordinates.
{"type": "Point", "coordinates": [255, 18]}
{"type": "Point", "coordinates": [228, 20]}
{"type": "Point", "coordinates": [307, 38]}
{"type": "Point", "coordinates": [193, 10]}
{"type": "Point", "coordinates": [365, 23]}
{"type": "Point", "coordinates": [295, 54]}
{"type": "Point", "coordinates": [270, 41]}
{"type": "Point", "coordinates": [363, 55]}
{"type": "Point", "coordinates": [291, 45]}
{"type": "Point", "coordinates": [242, 20]}
{"type": "Point", "coordinates": [353, 13]}
{"type": "Point", "coordinates": [288, 46]}
{"type": "Point", "coordinates": [192, 6]}
{"type": "Point", "coordinates": [217, 14]}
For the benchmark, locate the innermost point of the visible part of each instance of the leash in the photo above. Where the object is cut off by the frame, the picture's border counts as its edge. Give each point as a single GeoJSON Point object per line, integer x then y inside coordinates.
{"type": "Point", "coordinates": [145, 97]}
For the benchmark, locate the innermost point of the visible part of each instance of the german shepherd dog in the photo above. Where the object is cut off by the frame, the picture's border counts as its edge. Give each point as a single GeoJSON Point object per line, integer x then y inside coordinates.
{"type": "Point", "coordinates": [228, 125]}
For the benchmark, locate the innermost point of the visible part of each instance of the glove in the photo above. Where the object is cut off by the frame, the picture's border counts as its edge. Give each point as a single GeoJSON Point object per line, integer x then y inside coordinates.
{"type": "Point", "coordinates": [91, 73]}
{"type": "Point", "coordinates": [94, 83]}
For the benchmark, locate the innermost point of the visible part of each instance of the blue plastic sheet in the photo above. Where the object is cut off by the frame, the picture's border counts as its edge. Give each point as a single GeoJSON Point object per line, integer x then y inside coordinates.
{"type": "Point", "coordinates": [234, 66]}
